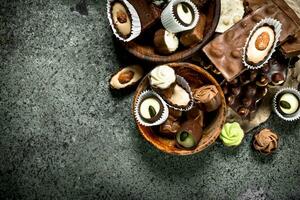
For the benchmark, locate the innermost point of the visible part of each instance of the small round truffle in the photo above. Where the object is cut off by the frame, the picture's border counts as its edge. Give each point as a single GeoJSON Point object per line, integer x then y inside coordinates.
{"type": "Point", "coordinates": [277, 78]}
{"type": "Point", "coordinates": [265, 141]}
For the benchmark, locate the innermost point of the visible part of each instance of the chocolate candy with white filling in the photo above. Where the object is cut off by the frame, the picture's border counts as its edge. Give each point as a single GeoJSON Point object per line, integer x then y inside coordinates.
{"type": "Point", "coordinates": [260, 45]}
{"type": "Point", "coordinates": [165, 42]}
{"type": "Point", "coordinates": [121, 19]}
{"type": "Point", "coordinates": [184, 13]}
{"type": "Point", "coordinates": [288, 104]}
{"type": "Point", "coordinates": [151, 109]}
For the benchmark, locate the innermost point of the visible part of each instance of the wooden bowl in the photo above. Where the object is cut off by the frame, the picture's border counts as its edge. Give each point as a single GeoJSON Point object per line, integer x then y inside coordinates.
{"type": "Point", "coordinates": [196, 77]}
{"type": "Point", "coordinates": [144, 49]}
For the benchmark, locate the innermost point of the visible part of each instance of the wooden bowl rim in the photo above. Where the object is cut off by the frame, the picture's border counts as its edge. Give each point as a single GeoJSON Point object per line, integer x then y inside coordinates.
{"type": "Point", "coordinates": [181, 55]}
{"type": "Point", "coordinates": [222, 116]}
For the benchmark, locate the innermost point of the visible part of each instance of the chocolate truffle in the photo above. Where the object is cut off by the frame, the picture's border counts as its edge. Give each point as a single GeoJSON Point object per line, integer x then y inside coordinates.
{"type": "Point", "coordinates": [121, 19]}
{"type": "Point", "coordinates": [277, 78]}
{"type": "Point", "coordinates": [207, 97]}
{"type": "Point", "coordinates": [151, 109]}
{"type": "Point", "coordinates": [165, 42]}
{"type": "Point", "coordinates": [265, 141]}
{"type": "Point", "coordinates": [260, 45]}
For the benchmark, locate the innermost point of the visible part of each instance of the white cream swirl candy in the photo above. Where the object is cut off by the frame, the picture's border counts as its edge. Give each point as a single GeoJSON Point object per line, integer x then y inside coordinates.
{"type": "Point", "coordinates": [162, 77]}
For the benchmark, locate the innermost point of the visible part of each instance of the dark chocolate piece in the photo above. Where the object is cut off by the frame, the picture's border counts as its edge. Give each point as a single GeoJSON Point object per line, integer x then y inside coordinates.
{"type": "Point", "coordinates": [247, 102]}
{"type": "Point", "coordinates": [250, 90]}
{"type": "Point", "coordinates": [278, 69]}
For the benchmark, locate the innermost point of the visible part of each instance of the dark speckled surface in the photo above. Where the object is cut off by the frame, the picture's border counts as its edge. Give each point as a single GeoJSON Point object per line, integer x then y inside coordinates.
{"type": "Point", "coordinates": [63, 135]}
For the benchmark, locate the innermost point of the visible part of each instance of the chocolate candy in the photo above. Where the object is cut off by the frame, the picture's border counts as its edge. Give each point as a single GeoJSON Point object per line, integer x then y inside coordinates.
{"type": "Point", "coordinates": [289, 19]}
{"type": "Point", "coordinates": [278, 67]}
{"type": "Point", "coordinates": [225, 51]}
{"type": "Point", "coordinates": [191, 130]}
{"type": "Point", "coordinates": [192, 37]}
{"type": "Point", "coordinates": [243, 95]}
{"type": "Point", "coordinates": [148, 13]}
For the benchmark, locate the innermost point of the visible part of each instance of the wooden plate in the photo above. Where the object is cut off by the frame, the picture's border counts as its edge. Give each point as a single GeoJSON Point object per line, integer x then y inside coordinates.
{"type": "Point", "coordinates": [195, 76]}
{"type": "Point", "coordinates": [144, 49]}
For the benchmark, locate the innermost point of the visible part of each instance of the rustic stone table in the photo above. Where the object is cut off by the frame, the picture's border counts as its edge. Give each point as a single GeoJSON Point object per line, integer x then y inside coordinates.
{"type": "Point", "coordinates": [64, 135]}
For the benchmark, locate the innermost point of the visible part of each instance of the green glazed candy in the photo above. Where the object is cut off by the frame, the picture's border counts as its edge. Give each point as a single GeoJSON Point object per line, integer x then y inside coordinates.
{"type": "Point", "coordinates": [232, 134]}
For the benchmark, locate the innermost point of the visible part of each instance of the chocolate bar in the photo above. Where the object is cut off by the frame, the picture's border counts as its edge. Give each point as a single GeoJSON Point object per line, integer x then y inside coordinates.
{"type": "Point", "coordinates": [225, 51]}
{"type": "Point", "coordinates": [244, 96]}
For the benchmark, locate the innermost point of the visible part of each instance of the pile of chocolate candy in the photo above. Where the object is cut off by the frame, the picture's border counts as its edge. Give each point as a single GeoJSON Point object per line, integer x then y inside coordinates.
{"type": "Point", "coordinates": [251, 52]}
{"type": "Point", "coordinates": [168, 25]}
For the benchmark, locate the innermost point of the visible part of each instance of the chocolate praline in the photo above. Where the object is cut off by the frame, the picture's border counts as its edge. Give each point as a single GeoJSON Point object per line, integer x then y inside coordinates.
{"type": "Point", "coordinates": [151, 109]}
{"type": "Point", "coordinates": [288, 104]}
{"type": "Point", "coordinates": [277, 78]}
{"type": "Point", "coordinates": [121, 19]}
{"type": "Point", "coordinates": [187, 9]}
{"type": "Point", "coordinates": [257, 51]}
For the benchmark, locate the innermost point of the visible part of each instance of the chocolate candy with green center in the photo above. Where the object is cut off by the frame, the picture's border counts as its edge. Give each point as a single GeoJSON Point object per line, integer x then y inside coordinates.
{"type": "Point", "coordinates": [191, 130]}
{"type": "Point", "coordinates": [288, 104]}
{"type": "Point", "coordinates": [151, 109]}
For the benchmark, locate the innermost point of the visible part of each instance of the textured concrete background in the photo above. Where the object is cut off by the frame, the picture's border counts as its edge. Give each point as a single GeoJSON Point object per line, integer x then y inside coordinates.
{"type": "Point", "coordinates": [63, 135]}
